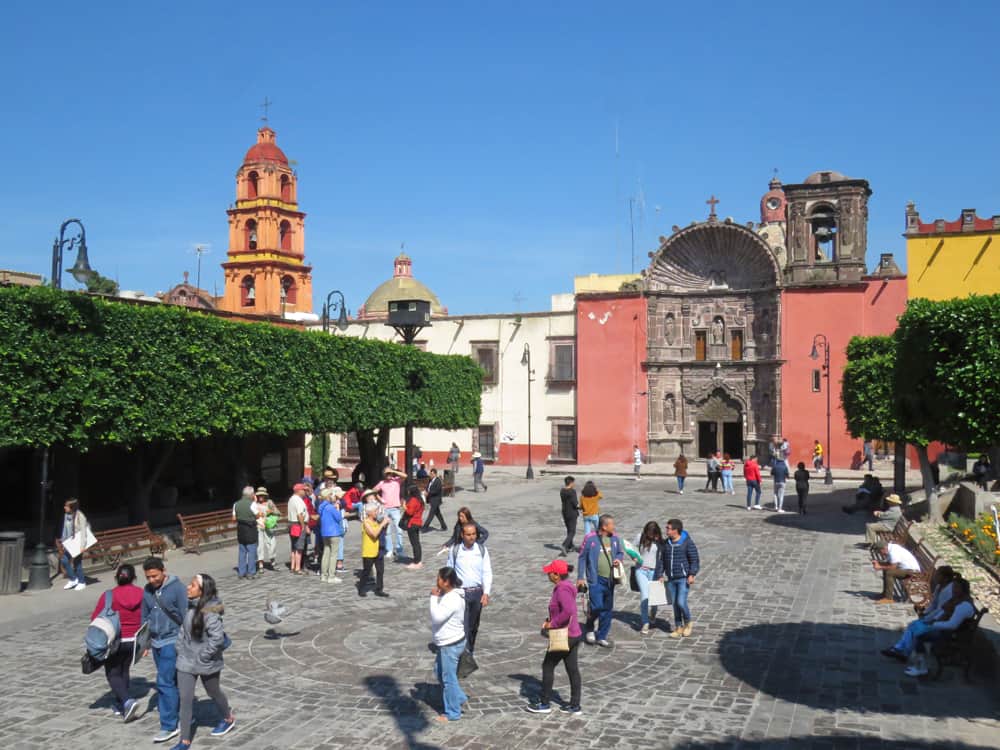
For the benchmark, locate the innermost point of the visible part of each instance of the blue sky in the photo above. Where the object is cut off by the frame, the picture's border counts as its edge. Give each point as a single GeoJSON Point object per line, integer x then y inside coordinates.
{"type": "Point", "coordinates": [480, 134]}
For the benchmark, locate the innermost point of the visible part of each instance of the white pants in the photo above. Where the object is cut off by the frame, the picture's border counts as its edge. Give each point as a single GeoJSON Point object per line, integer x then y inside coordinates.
{"type": "Point", "coordinates": [779, 495]}
{"type": "Point", "coordinates": [266, 546]}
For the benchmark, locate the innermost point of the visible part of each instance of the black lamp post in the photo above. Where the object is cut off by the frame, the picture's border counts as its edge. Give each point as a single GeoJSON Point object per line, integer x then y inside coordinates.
{"type": "Point", "coordinates": [38, 577]}
{"type": "Point", "coordinates": [819, 340]}
{"type": "Point", "coordinates": [526, 361]}
{"type": "Point", "coordinates": [342, 325]}
{"type": "Point", "coordinates": [329, 306]}
{"type": "Point", "coordinates": [408, 317]}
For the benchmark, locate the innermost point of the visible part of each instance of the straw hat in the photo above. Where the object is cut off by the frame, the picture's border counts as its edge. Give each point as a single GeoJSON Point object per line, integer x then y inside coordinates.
{"type": "Point", "coordinates": [261, 492]}
{"type": "Point", "coordinates": [894, 499]}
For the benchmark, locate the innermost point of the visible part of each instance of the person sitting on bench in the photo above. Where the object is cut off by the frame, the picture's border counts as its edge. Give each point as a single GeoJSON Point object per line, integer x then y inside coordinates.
{"type": "Point", "coordinates": [899, 563]}
{"type": "Point", "coordinates": [886, 519]}
{"type": "Point", "coordinates": [868, 496]}
{"type": "Point", "coordinates": [942, 590]}
{"type": "Point", "coordinates": [953, 614]}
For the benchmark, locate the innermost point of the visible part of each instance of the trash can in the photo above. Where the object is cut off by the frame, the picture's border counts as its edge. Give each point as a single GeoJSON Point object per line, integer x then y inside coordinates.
{"type": "Point", "coordinates": [11, 561]}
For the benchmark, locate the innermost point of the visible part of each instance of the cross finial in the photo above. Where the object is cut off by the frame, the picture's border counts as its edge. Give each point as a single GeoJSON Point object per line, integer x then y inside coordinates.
{"type": "Point", "coordinates": [265, 105]}
{"type": "Point", "coordinates": [712, 202]}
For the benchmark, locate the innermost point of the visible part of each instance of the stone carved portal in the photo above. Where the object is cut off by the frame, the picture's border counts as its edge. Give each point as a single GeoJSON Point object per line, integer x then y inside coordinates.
{"type": "Point", "coordinates": [720, 425]}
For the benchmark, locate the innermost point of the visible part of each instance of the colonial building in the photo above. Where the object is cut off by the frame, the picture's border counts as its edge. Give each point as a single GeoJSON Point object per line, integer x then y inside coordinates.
{"type": "Point", "coordinates": [265, 273]}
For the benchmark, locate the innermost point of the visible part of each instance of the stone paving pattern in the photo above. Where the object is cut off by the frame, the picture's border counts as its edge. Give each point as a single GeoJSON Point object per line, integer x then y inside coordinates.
{"type": "Point", "coordinates": [784, 652]}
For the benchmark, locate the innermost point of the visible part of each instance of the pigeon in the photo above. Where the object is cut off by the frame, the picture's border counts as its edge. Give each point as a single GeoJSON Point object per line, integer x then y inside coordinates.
{"type": "Point", "coordinates": [274, 612]}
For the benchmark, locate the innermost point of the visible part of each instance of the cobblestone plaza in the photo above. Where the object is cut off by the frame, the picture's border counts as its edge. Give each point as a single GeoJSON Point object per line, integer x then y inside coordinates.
{"type": "Point", "coordinates": [784, 654]}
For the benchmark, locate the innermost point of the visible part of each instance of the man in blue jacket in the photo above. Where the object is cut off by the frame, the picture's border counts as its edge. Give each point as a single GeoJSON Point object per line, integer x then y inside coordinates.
{"type": "Point", "coordinates": [596, 573]}
{"type": "Point", "coordinates": [164, 604]}
{"type": "Point", "coordinates": [678, 565]}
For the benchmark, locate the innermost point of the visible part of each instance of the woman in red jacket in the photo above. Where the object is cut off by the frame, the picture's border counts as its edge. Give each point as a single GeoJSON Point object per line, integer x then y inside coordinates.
{"type": "Point", "coordinates": [414, 515]}
{"type": "Point", "coordinates": [126, 600]}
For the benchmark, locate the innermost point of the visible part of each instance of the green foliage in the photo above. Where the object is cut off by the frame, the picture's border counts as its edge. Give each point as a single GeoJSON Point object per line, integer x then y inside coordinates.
{"type": "Point", "coordinates": [80, 371]}
{"type": "Point", "coordinates": [98, 284]}
{"type": "Point", "coordinates": [947, 377]}
{"type": "Point", "coordinates": [866, 391]}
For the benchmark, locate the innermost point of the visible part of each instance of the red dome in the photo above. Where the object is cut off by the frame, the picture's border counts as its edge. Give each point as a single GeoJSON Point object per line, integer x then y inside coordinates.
{"type": "Point", "coordinates": [265, 149]}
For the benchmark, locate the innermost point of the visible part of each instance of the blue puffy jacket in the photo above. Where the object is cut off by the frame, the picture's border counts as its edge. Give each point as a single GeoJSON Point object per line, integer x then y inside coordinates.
{"type": "Point", "coordinates": [677, 559]}
{"type": "Point", "coordinates": [331, 520]}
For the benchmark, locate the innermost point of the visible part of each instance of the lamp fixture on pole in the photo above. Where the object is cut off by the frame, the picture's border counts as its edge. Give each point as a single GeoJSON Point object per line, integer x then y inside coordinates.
{"type": "Point", "coordinates": [328, 307]}
{"type": "Point", "coordinates": [408, 317]}
{"type": "Point", "coordinates": [821, 341]}
{"type": "Point", "coordinates": [526, 361]}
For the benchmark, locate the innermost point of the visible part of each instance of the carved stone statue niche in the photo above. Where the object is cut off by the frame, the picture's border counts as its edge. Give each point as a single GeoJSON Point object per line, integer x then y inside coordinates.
{"type": "Point", "coordinates": [669, 329]}
{"type": "Point", "coordinates": [718, 331]}
{"type": "Point", "coordinates": [669, 412]}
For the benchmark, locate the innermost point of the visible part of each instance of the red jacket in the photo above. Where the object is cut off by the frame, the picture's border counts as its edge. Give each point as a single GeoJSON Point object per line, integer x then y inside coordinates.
{"type": "Point", "coordinates": [351, 498]}
{"type": "Point", "coordinates": [127, 602]}
{"type": "Point", "coordinates": [415, 510]}
{"type": "Point", "coordinates": [751, 471]}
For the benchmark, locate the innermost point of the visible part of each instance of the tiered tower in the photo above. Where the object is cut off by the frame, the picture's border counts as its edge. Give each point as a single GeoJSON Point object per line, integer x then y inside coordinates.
{"type": "Point", "coordinates": [265, 272]}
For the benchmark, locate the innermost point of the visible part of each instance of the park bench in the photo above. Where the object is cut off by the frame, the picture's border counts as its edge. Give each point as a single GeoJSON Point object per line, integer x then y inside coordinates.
{"type": "Point", "coordinates": [957, 648]}
{"type": "Point", "coordinates": [217, 526]}
{"type": "Point", "coordinates": [447, 484]}
{"type": "Point", "coordinates": [900, 533]}
{"type": "Point", "coordinates": [917, 586]}
{"type": "Point", "coordinates": [127, 543]}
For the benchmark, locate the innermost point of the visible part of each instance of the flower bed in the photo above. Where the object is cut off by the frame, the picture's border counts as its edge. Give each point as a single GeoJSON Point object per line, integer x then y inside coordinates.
{"type": "Point", "coordinates": [978, 538]}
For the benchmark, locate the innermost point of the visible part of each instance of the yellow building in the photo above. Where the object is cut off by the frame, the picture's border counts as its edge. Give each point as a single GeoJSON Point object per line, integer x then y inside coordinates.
{"type": "Point", "coordinates": [950, 259]}
{"type": "Point", "coordinates": [605, 282]}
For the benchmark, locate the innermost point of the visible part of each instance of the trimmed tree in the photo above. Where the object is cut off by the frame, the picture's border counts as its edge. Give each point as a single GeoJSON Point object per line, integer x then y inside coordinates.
{"type": "Point", "coordinates": [81, 371]}
{"type": "Point", "coordinates": [946, 382]}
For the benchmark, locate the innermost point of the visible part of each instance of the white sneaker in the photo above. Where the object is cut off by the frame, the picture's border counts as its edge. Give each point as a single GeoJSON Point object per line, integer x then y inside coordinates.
{"type": "Point", "coordinates": [758, 507]}
{"type": "Point", "coordinates": [70, 585]}
{"type": "Point", "coordinates": [749, 507]}
{"type": "Point", "coordinates": [915, 671]}
{"type": "Point", "coordinates": [335, 579]}
{"type": "Point", "coordinates": [80, 586]}
{"type": "Point", "coordinates": [591, 638]}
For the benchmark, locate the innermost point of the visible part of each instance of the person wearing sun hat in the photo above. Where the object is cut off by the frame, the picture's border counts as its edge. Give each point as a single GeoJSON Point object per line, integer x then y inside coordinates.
{"type": "Point", "coordinates": [267, 520]}
{"type": "Point", "coordinates": [478, 468]}
{"type": "Point", "coordinates": [886, 518]}
{"type": "Point", "coordinates": [562, 614]}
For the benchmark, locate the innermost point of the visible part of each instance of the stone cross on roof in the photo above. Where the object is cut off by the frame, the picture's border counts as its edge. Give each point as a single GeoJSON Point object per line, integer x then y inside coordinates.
{"type": "Point", "coordinates": [712, 203]}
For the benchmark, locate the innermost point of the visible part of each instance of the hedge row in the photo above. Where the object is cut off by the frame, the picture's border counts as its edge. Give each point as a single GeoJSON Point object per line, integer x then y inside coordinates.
{"type": "Point", "coordinates": [83, 371]}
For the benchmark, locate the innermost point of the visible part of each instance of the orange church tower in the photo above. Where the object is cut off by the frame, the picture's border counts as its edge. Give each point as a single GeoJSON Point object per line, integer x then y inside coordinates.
{"type": "Point", "coordinates": [266, 272]}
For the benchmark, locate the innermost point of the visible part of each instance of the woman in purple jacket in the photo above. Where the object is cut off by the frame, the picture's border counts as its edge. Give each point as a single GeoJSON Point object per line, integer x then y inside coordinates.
{"type": "Point", "coordinates": [562, 614]}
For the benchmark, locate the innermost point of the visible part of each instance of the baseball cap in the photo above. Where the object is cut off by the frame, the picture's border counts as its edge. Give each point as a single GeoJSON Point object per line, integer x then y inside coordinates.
{"type": "Point", "coordinates": [559, 567]}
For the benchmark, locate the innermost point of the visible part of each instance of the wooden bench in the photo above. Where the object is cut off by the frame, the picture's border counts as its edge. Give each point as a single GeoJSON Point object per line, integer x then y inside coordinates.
{"type": "Point", "coordinates": [917, 586]}
{"type": "Point", "coordinates": [127, 543]}
{"type": "Point", "coordinates": [957, 648]}
{"type": "Point", "coordinates": [900, 533]}
{"type": "Point", "coordinates": [217, 526]}
{"type": "Point", "coordinates": [447, 486]}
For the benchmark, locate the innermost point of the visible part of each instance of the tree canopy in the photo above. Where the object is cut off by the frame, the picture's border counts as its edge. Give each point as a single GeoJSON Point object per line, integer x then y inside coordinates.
{"type": "Point", "coordinates": [867, 390]}
{"type": "Point", "coordinates": [946, 382]}
{"type": "Point", "coordinates": [83, 371]}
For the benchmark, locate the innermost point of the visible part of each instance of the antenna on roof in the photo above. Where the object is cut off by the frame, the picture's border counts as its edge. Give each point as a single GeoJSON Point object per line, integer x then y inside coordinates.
{"type": "Point", "coordinates": [199, 249]}
{"type": "Point", "coordinates": [265, 105]}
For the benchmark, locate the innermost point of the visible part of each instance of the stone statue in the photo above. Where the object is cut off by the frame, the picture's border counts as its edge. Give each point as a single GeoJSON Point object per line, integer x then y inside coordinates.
{"type": "Point", "coordinates": [718, 330]}
{"type": "Point", "coordinates": [668, 329]}
{"type": "Point", "coordinates": [669, 410]}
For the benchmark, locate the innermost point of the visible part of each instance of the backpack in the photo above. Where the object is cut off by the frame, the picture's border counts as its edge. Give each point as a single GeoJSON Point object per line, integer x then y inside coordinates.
{"type": "Point", "coordinates": [103, 633]}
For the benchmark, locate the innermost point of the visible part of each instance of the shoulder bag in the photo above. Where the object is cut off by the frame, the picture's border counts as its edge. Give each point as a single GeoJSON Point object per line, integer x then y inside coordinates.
{"type": "Point", "coordinates": [558, 640]}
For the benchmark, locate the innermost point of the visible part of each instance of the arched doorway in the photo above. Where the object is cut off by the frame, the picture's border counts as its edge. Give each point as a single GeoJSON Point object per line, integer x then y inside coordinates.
{"type": "Point", "coordinates": [720, 425]}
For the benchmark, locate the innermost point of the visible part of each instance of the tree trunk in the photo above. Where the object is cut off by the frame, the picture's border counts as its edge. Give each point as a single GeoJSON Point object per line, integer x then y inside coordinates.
{"type": "Point", "coordinates": [372, 446]}
{"type": "Point", "coordinates": [148, 462]}
{"type": "Point", "coordinates": [930, 490]}
{"type": "Point", "coordinates": [899, 468]}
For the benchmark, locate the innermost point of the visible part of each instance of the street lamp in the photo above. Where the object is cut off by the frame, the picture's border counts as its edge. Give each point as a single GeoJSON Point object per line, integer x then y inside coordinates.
{"type": "Point", "coordinates": [526, 361]}
{"type": "Point", "coordinates": [38, 577]}
{"type": "Point", "coordinates": [408, 317]}
{"type": "Point", "coordinates": [819, 340]}
{"type": "Point", "coordinates": [328, 307]}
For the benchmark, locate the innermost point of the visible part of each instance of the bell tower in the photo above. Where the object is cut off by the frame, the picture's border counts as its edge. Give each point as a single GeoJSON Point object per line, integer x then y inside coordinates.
{"type": "Point", "coordinates": [265, 270]}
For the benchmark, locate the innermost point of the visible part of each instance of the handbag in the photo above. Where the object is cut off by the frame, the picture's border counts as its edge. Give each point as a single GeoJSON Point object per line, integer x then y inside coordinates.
{"type": "Point", "coordinates": [618, 571]}
{"type": "Point", "coordinates": [633, 579]}
{"type": "Point", "coordinates": [295, 530]}
{"type": "Point", "coordinates": [558, 640]}
{"type": "Point", "coordinates": [88, 663]}
{"type": "Point", "coordinates": [466, 664]}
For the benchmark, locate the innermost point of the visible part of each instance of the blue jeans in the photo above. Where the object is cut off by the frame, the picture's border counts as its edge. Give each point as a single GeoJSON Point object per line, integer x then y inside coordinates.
{"type": "Point", "coordinates": [727, 480]}
{"type": "Point", "coordinates": [168, 700]}
{"type": "Point", "coordinates": [395, 532]}
{"type": "Point", "coordinates": [753, 486]}
{"type": "Point", "coordinates": [911, 635]}
{"type": "Point", "coordinates": [602, 601]}
{"type": "Point", "coordinates": [589, 524]}
{"type": "Point", "coordinates": [247, 564]}
{"type": "Point", "coordinates": [74, 567]}
{"type": "Point", "coordinates": [645, 579]}
{"type": "Point", "coordinates": [678, 589]}
{"type": "Point", "coordinates": [340, 548]}
{"type": "Point", "coordinates": [680, 483]}
{"type": "Point", "coordinates": [446, 669]}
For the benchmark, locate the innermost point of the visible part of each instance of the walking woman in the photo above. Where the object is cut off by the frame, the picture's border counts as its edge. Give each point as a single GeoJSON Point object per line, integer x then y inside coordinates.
{"type": "Point", "coordinates": [681, 472]}
{"type": "Point", "coordinates": [802, 486]}
{"type": "Point", "coordinates": [590, 507]}
{"type": "Point", "coordinates": [648, 543]}
{"type": "Point", "coordinates": [126, 600]}
{"type": "Point", "coordinates": [200, 644]}
{"type": "Point", "coordinates": [373, 548]}
{"type": "Point", "coordinates": [562, 614]}
{"type": "Point", "coordinates": [464, 517]}
{"type": "Point", "coordinates": [413, 515]}
{"type": "Point", "coordinates": [447, 605]}
{"type": "Point", "coordinates": [727, 467]}
{"type": "Point", "coordinates": [267, 520]}
{"type": "Point", "coordinates": [74, 524]}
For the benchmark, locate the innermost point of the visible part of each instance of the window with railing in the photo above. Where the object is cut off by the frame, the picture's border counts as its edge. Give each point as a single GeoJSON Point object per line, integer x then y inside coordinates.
{"type": "Point", "coordinates": [562, 362]}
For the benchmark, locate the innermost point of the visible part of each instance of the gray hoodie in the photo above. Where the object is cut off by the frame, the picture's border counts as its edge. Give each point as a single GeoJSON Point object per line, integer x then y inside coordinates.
{"type": "Point", "coordinates": [202, 655]}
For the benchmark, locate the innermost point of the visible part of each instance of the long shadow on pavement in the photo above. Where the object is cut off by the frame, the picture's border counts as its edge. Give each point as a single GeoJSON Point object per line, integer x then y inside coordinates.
{"type": "Point", "coordinates": [405, 710]}
{"type": "Point", "coordinates": [838, 667]}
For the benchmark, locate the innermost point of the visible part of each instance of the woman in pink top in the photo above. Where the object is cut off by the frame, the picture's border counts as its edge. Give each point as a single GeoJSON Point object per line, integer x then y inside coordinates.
{"type": "Point", "coordinates": [126, 600]}
{"type": "Point", "coordinates": [562, 614]}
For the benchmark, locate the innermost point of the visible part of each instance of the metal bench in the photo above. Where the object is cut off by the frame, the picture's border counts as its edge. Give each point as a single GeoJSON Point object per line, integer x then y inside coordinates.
{"type": "Point", "coordinates": [957, 648]}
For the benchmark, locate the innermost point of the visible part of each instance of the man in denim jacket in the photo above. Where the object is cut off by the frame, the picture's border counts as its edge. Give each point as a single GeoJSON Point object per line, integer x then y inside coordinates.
{"type": "Point", "coordinates": [596, 573]}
